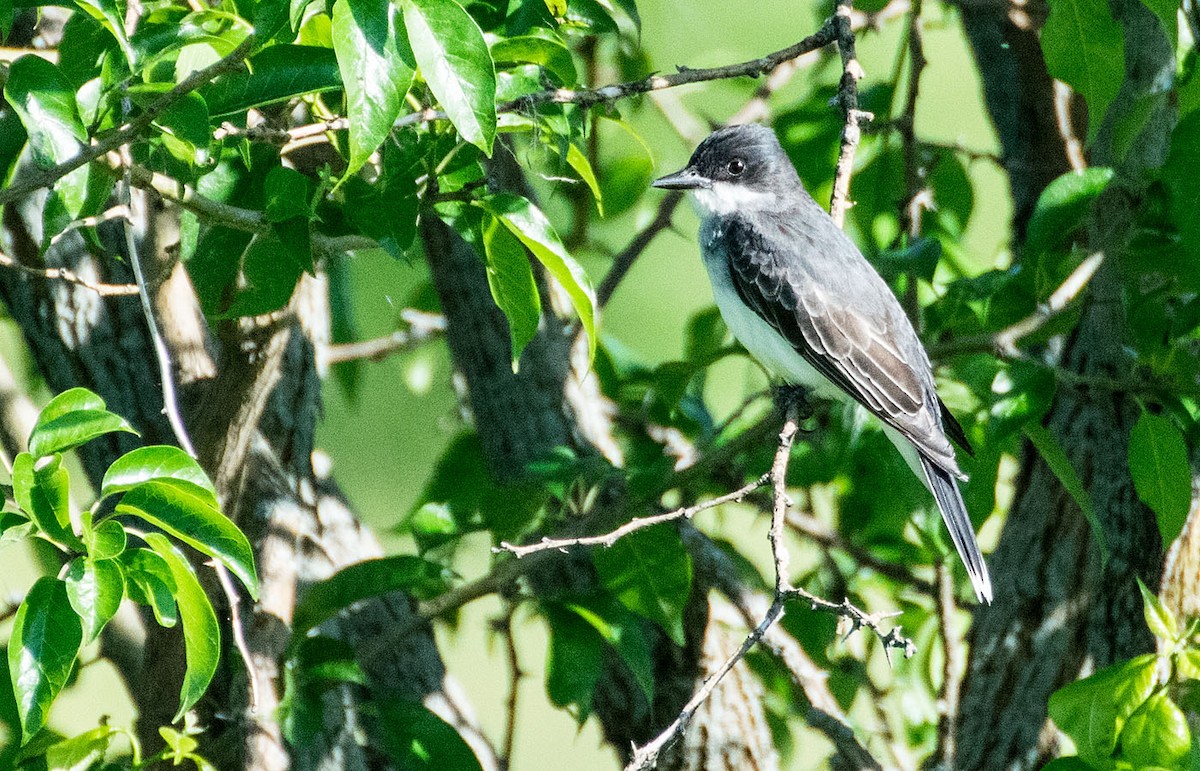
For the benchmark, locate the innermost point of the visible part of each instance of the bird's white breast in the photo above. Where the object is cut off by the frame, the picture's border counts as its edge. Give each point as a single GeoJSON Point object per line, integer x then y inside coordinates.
{"type": "Point", "coordinates": [766, 345]}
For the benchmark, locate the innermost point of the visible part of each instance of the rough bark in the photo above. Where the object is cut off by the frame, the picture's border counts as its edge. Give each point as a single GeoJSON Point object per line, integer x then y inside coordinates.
{"type": "Point", "coordinates": [1058, 609]}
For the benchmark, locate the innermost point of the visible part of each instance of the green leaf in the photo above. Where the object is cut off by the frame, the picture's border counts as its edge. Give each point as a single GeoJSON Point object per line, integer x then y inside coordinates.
{"type": "Point", "coordinates": [158, 461]}
{"type": "Point", "coordinates": [149, 581]}
{"type": "Point", "coordinates": [45, 101]}
{"type": "Point", "coordinates": [583, 168]}
{"type": "Point", "coordinates": [270, 273]}
{"type": "Point", "coordinates": [95, 589]}
{"type": "Point", "coordinates": [1056, 458]}
{"type": "Point", "coordinates": [1084, 48]}
{"type": "Point", "coordinates": [82, 752]}
{"type": "Point", "coordinates": [1156, 735]}
{"type": "Point", "coordinates": [377, 69]}
{"type": "Point", "coordinates": [276, 74]}
{"type": "Point", "coordinates": [70, 419]}
{"type": "Point", "coordinates": [111, 15]}
{"type": "Point", "coordinates": [574, 660]}
{"type": "Point", "coordinates": [370, 578]}
{"type": "Point", "coordinates": [625, 632]}
{"type": "Point", "coordinates": [106, 541]}
{"type": "Point", "coordinates": [43, 492]}
{"type": "Point", "coordinates": [1070, 763]}
{"type": "Point", "coordinates": [201, 634]}
{"type": "Point", "coordinates": [1063, 206]}
{"type": "Point", "coordinates": [417, 739]}
{"type": "Point", "coordinates": [510, 278]}
{"type": "Point", "coordinates": [287, 194]}
{"type": "Point", "coordinates": [185, 511]}
{"type": "Point", "coordinates": [528, 223]}
{"type": "Point", "coordinates": [1159, 617]}
{"type": "Point", "coordinates": [1162, 476]}
{"type": "Point", "coordinates": [650, 572]}
{"type": "Point", "coordinates": [1092, 711]}
{"type": "Point", "coordinates": [1181, 180]}
{"type": "Point", "coordinates": [544, 50]}
{"type": "Point", "coordinates": [450, 49]}
{"type": "Point", "coordinates": [45, 640]}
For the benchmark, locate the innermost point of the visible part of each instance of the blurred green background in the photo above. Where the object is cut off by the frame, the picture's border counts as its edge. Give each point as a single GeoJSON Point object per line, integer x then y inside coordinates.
{"type": "Point", "coordinates": [385, 440]}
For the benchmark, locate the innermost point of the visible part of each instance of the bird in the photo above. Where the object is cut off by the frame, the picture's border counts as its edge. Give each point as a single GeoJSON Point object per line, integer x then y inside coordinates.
{"type": "Point", "coordinates": [802, 299]}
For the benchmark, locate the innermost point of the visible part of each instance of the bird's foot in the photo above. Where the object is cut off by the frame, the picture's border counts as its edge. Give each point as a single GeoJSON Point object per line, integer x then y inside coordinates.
{"type": "Point", "coordinates": [788, 395]}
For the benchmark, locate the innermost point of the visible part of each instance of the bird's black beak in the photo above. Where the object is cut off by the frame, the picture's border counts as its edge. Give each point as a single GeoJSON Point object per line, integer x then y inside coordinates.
{"type": "Point", "coordinates": [684, 179]}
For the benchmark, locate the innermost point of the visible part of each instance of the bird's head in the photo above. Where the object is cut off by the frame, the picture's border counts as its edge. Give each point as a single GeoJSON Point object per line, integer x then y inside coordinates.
{"type": "Point", "coordinates": [738, 169]}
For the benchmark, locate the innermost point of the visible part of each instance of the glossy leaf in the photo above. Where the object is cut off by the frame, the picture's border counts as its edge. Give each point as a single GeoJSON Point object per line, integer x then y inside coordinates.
{"type": "Point", "coordinates": [149, 581]}
{"type": "Point", "coordinates": [1084, 48]}
{"type": "Point", "coordinates": [106, 541]}
{"type": "Point", "coordinates": [201, 634]}
{"type": "Point", "coordinates": [1062, 207]}
{"type": "Point", "coordinates": [579, 162]}
{"type": "Point", "coordinates": [455, 62]}
{"type": "Point", "coordinates": [625, 632]}
{"type": "Point", "coordinates": [1159, 618]}
{"type": "Point", "coordinates": [185, 511]}
{"type": "Point", "coordinates": [1156, 735]}
{"type": "Point", "coordinates": [45, 102]}
{"type": "Point", "coordinates": [417, 739]}
{"type": "Point", "coordinates": [276, 74]}
{"type": "Point", "coordinates": [529, 224]}
{"type": "Point", "coordinates": [510, 278]}
{"type": "Point", "coordinates": [370, 578]}
{"type": "Point", "coordinates": [95, 589]}
{"type": "Point", "coordinates": [544, 50]}
{"type": "Point", "coordinates": [377, 69]}
{"type": "Point", "coordinates": [70, 419]}
{"type": "Point", "coordinates": [43, 492]}
{"type": "Point", "coordinates": [1162, 476]}
{"type": "Point", "coordinates": [158, 461]}
{"type": "Point", "coordinates": [111, 16]}
{"type": "Point", "coordinates": [45, 640]}
{"type": "Point", "coordinates": [650, 572]}
{"type": "Point", "coordinates": [1092, 711]}
{"type": "Point", "coordinates": [270, 276]}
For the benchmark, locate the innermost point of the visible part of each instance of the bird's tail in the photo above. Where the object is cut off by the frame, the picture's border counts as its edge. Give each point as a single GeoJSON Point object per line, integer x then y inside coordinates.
{"type": "Point", "coordinates": [958, 522]}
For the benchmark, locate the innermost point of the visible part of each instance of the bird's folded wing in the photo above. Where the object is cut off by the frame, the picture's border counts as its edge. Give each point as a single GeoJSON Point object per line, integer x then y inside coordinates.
{"type": "Point", "coordinates": [854, 345]}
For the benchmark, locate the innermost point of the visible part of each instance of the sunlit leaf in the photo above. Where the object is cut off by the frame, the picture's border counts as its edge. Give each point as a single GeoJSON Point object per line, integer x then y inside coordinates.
{"type": "Point", "coordinates": [455, 62]}
{"type": "Point", "coordinates": [45, 640]}
{"type": "Point", "coordinates": [155, 462]}
{"type": "Point", "coordinates": [650, 572]}
{"type": "Point", "coordinates": [185, 511]}
{"type": "Point", "coordinates": [95, 589]}
{"type": "Point", "coordinates": [377, 69]}
{"type": "Point", "coordinates": [1085, 49]}
{"type": "Point", "coordinates": [510, 278]}
{"type": "Point", "coordinates": [369, 578]}
{"type": "Point", "coordinates": [1092, 711]}
{"type": "Point", "coordinates": [201, 633]}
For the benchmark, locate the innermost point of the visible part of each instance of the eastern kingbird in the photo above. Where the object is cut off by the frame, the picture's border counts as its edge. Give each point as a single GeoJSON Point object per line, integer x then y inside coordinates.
{"type": "Point", "coordinates": [802, 299]}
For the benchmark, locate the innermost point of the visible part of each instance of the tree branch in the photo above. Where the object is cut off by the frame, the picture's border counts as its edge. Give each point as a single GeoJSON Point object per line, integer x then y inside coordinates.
{"type": "Point", "coordinates": [71, 277]}
{"type": "Point", "coordinates": [422, 327]}
{"type": "Point", "coordinates": [35, 179]}
{"type": "Point", "coordinates": [848, 100]}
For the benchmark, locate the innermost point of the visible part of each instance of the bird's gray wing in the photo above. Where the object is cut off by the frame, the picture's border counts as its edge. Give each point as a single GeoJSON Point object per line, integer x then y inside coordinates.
{"type": "Point", "coordinates": [837, 314]}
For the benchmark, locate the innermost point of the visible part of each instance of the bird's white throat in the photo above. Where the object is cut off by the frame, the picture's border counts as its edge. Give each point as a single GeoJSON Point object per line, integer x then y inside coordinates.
{"type": "Point", "coordinates": [725, 198]}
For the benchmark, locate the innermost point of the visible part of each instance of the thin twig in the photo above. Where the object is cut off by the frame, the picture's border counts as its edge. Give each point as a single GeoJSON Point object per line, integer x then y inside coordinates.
{"type": "Point", "coordinates": [515, 675]}
{"type": "Point", "coordinates": [915, 198]}
{"type": "Point", "coordinates": [852, 116]}
{"type": "Point", "coordinates": [422, 327]}
{"type": "Point", "coordinates": [1004, 342]}
{"type": "Point", "coordinates": [34, 179]}
{"type": "Point", "coordinates": [71, 277]}
{"type": "Point", "coordinates": [632, 526]}
{"type": "Point", "coordinates": [952, 666]}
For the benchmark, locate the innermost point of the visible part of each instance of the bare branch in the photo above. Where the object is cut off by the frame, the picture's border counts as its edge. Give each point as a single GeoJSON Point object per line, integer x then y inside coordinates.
{"type": "Point", "coordinates": [848, 100]}
{"type": "Point", "coordinates": [33, 179]}
{"type": "Point", "coordinates": [422, 327]}
{"type": "Point", "coordinates": [632, 526]}
{"type": "Point", "coordinates": [71, 277]}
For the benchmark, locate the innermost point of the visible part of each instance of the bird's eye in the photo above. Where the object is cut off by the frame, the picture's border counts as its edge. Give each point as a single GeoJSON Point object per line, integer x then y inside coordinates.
{"type": "Point", "coordinates": [736, 167]}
